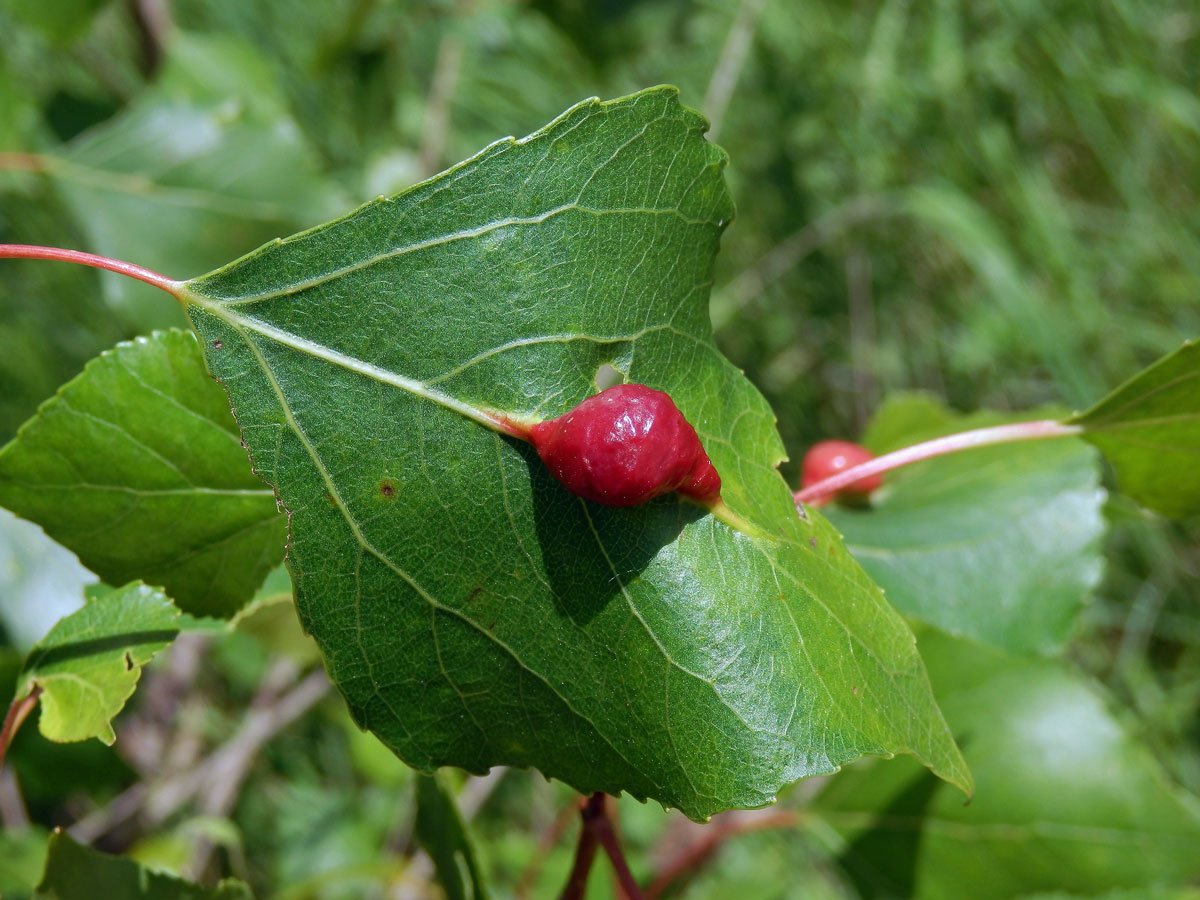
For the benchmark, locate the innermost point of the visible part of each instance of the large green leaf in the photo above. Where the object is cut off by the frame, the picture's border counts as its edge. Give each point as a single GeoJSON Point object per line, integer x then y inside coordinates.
{"type": "Point", "coordinates": [89, 663]}
{"type": "Point", "coordinates": [1149, 428]}
{"type": "Point", "coordinates": [136, 465]}
{"type": "Point", "coordinates": [1068, 798]}
{"type": "Point", "coordinates": [76, 872]}
{"type": "Point", "coordinates": [1000, 544]}
{"type": "Point", "coordinates": [470, 610]}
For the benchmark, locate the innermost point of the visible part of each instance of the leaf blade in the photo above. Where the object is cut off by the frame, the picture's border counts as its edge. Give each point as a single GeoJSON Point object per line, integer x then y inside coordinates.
{"type": "Point", "coordinates": [1149, 429]}
{"type": "Point", "coordinates": [136, 466]}
{"type": "Point", "coordinates": [653, 649]}
{"type": "Point", "coordinates": [998, 544]}
{"type": "Point", "coordinates": [89, 663]}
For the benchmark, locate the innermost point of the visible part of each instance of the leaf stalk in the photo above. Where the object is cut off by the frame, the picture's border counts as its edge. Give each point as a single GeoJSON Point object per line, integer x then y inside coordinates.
{"type": "Point", "coordinates": [32, 251]}
{"type": "Point", "coordinates": [17, 712]}
{"type": "Point", "coordinates": [1040, 429]}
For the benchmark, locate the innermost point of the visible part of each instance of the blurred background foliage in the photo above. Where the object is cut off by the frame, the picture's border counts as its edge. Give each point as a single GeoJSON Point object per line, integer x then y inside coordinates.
{"type": "Point", "coordinates": [995, 202]}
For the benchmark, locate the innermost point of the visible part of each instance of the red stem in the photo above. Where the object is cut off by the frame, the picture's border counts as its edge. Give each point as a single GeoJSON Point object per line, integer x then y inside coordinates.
{"type": "Point", "coordinates": [585, 853]}
{"type": "Point", "coordinates": [16, 715]}
{"type": "Point", "coordinates": [965, 440]}
{"type": "Point", "coordinates": [598, 830]}
{"type": "Point", "coordinates": [29, 251]}
{"type": "Point", "coordinates": [595, 817]}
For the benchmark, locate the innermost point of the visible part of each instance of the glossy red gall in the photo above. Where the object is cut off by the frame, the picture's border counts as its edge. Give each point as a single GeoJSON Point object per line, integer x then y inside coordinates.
{"type": "Point", "coordinates": [828, 458]}
{"type": "Point", "coordinates": [624, 446]}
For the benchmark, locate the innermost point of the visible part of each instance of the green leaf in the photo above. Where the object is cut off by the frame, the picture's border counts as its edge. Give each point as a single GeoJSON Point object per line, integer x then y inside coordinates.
{"type": "Point", "coordinates": [50, 325]}
{"type": "Point", "coordinates": [1001, 544]}
{"type": "Point", "coordinates": [90, 662]}
{"type": "Point", "coordinates": [1149, 429]}
{"type": "Point", "coordinates": [137, 467]}
{"type": "Point", "coordinates": [61, 22]}
{"type": "Point", "coordinates": [190, 174]}
{"type": "Point", "coordinates": [22, 859]}
{"type": "Point", "coordinates": [76, 872]}
{"type": "Point", "coordinates": [1068, 798]}
{"type": "Point", "coordinates": [470, 610]}
{"type": "Point", "coordinates": [440, 830]}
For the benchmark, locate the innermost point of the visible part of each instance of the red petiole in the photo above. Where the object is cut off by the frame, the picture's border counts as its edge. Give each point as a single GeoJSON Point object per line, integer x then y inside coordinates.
{"type": "Point", "coordinates": [31, 251]}
{"type": "Point", "coordinates": [952, 443]}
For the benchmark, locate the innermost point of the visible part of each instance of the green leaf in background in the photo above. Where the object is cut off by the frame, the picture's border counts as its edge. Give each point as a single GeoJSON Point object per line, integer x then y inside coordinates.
{"type": "Point", "coordinates": [137, 467]}
{"type": "Point", "coordinates": [1000, 544]}
{"type": "Point", "coordinates": [470, 610]}
{"type": "Point", "coordinates": [76, 872]}
{"type": "Point", "coordinates": [190, 174]}
{"type": "Point", "coordinates": [61, 21]}
{"type": "Point", "coordinates": [50, 322]}
{"type": "Point", "coordinates": [22, 859]}
{"type": "Point", "coordinates": [89, 663]}
{"type": "Point", "coordinates": [440, 830]}
{"type": "Point", "coordinates": [1067, 797]}
{"type": "Point", "coordinates": [1149, 429]}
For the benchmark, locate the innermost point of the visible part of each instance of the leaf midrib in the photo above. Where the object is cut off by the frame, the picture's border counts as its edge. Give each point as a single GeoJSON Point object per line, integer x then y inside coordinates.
{"type": "Point", "coordinates": [489, 419]}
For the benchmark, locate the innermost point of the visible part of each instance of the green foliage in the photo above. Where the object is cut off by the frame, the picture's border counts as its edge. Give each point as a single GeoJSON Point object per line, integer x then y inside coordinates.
{"type": "Point", "coordinates": [89, 663]}
{"type": "Point", "coordinates": [193, 173]}
{"type": "Point", "coordinates": [1000, 544]}
{"type": "Point", "coordinates": [1149, 429]}
{"type": "Point", "coordinates": [440, 830]}
{"type": "Point", "coordinates": [1067, 796]}
{"type": "Point", "coordinates": [566, 254]}
{"type": "Point", "coordinates": [75, 872]}
{"type": "Point", "coordinates": [995, 203]}
{"type": "Point", "coordinates": [22, 859]}
{"type": "Point", "coordinates": [137, 466]}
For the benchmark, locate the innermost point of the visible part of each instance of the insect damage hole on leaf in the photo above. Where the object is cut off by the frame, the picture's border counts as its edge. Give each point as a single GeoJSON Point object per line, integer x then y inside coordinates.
{"type": "Point", "coordinates": [608, 376]}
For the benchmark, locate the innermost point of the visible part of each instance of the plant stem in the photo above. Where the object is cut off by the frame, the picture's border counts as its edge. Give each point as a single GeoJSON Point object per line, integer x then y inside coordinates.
{"type": "Point", "coordinates": [595, 817]}
{"type": "Point", "coordinates": [30, 251]}
{"type": "Point", "coordinates": [16, 715]}
{"type": "Point", "coordinates": [965, 440]}
{"type": "Point", "coordinates": [598, 830]}
{"type": "Point", "coordinates": [585, 853]}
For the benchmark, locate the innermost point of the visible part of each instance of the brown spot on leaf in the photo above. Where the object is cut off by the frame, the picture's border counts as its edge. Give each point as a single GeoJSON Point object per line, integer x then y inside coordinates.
{"type": "Point", "coordinates": [812, 542]}
{"type": "Point", "coordinates": [217, 345]}
{"type": "Point", "coordinates": [387, 487]}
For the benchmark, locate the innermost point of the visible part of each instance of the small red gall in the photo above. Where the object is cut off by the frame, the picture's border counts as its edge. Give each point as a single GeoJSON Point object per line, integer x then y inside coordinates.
{"type": "Point", "coordinates": [827, 458]}
{"type": "Point", "coordinates": [624, 446]}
